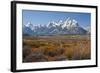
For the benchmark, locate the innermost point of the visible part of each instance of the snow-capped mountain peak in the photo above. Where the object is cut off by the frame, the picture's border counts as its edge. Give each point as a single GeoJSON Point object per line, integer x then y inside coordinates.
{"type": "Point", "coordinates": [52, 24]}
{"type": "Point", "coordinates": [69, 23]}
{"type": "Point", "coordinates": [29, 24]}
{"type": "Point", "coordinates": [60, 23]}
{"type": "Point", "coordinates": [74, 23]}
{"type": "Point", "coordinates": [69, 26]}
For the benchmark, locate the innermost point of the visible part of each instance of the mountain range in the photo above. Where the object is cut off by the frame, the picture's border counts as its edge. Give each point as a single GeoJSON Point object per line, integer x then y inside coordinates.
{"type": "Point", "coordinates": [69, 26]}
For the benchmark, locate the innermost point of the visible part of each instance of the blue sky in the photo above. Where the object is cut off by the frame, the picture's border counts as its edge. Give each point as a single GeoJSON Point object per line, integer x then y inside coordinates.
{"type": "Point", "coordinates": [43, 17]}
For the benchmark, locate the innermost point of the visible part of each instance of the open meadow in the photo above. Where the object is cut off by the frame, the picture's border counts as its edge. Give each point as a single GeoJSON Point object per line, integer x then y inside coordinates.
{"type": "Point", "coordinates": [56, 48]}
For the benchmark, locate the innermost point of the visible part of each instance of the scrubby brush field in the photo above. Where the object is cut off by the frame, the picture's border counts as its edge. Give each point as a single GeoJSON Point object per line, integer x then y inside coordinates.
{"type": "Point", "coordinates": [56, 48]}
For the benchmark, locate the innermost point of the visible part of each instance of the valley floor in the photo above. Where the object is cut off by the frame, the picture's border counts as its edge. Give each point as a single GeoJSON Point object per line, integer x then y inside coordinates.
{"type": "Point", "coordinates": [56, 48]}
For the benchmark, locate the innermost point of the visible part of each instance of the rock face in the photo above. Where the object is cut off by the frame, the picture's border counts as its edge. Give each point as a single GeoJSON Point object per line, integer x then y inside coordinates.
{"type": "Point", "coordinates": [69, 26]}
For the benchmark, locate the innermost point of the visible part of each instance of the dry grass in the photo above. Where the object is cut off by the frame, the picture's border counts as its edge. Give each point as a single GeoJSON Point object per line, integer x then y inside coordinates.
{"type": "Point", "coordinates": [55, 48]}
